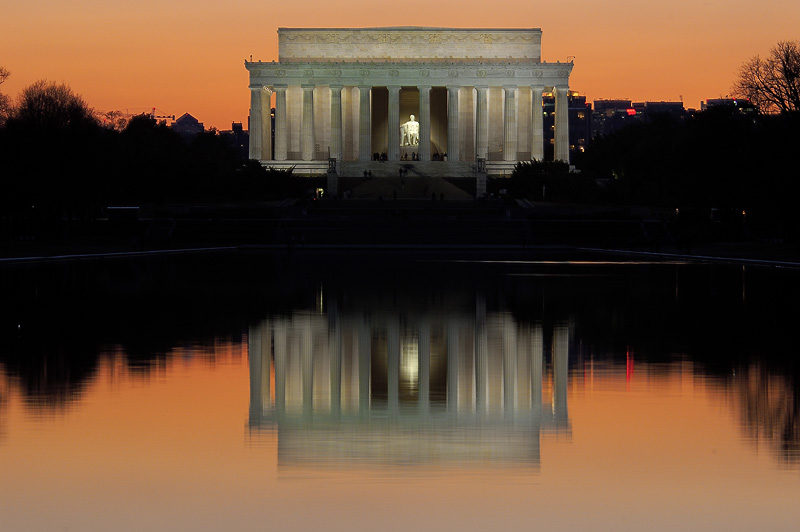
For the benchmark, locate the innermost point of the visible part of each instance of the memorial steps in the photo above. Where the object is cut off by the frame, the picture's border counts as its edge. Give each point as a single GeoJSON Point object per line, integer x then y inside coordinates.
{"type": "Point", "coordinates": [410, 187]}
{"type": "Point", "coordinates": [417, 168]}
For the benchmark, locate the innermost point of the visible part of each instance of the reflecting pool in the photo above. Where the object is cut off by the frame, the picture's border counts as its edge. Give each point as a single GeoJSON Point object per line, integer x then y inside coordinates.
{"type": "Point", "coordinates": [393, 391]}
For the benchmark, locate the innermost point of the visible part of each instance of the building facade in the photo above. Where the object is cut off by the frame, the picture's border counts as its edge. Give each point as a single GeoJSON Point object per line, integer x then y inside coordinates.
{"type": "Point", "coordinates": [343, 96]}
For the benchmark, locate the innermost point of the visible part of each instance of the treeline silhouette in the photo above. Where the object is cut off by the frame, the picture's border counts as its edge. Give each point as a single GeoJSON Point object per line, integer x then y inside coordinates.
{"type": "Point", "coordinates": [736, 163]}
{"type": "Point", "coordinates": [61, 167]}
{"type": "Point", "coordinates": [59, 319]}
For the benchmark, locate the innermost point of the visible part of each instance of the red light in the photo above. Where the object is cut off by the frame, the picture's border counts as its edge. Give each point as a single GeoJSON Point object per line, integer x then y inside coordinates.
{"type": "Point", "coordinates": [631, 112]}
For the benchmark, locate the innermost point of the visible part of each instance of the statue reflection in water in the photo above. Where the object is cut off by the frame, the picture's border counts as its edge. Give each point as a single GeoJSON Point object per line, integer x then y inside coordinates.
{"type": "Point", "coordinates": [421, 388]}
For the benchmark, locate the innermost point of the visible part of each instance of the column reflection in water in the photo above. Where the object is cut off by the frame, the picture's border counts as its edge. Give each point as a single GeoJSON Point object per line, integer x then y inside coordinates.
{"type": "Point", "coordinates": [380, 387]}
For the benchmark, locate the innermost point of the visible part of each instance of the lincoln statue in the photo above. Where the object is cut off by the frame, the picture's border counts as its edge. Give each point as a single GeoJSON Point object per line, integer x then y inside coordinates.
{"type": "Point", "coordinates": [409, 133]}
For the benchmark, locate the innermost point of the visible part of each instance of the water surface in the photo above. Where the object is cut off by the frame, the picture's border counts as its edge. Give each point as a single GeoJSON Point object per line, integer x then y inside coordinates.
{"type": "Point", "coordinates": [355, 392]}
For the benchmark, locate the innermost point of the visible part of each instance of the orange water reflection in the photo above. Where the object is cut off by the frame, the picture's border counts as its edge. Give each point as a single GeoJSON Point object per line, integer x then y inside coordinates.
{"type": "Point", "coordinates": [632, 445]}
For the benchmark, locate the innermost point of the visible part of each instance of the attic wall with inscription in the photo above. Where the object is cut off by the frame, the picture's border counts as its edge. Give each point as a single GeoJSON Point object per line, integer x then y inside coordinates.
{"type": "Point", "coordinates": [409, 44]}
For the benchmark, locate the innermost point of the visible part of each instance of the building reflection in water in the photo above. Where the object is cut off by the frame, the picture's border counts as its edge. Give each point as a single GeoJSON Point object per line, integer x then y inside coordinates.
{"type": "Point", "coordinates": [423, 387]}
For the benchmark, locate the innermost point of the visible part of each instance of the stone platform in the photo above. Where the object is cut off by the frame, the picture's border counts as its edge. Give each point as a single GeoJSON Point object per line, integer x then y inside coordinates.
{"type": "Point", "coordinates": [411, 168]}
{"type": "Point", "coordinates": [410, 187]}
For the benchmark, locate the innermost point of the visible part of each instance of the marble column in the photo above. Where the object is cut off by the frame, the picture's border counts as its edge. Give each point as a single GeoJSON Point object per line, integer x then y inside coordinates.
{"type": "Point", "coordinates": [482, 124]}
{"type": "Point", "coordinates": [256, 119]}
{"type": "Point", "coordinates": [481, 356]}
{"type": "Point", "coordinates": [537, 124]}
{"type": "Point", "coordinates": [562, 125]}
{"type": "Point", "coordinates": [266, 124]}
{"type": "Point", "coordinates": [394, 123]}
{"type": "Point", "coordinates": [424, 364]}
{"type": "Point", "coordinates": [393, 363]}
{"type": "Point", "coordinates": [364, 125]}
{"type": "Point", "coordinates": [453, 140]}
{"type": "Point", "coordinates": [336, 122]}
{"type": "Point", "coordinates": [307, 365]}
{"type": "Point", "coordinates": [424, 123]}
{"type": "Point", "coordinates": [452, 364]}
{"type": "Point", "coordinates": [335, 342]}
{"type": "Point", "coordinates": [281, 125]}
{"type": "Point", "coordinates": [307, 127]}
{"type": "Point", "coordinates": [364, 366]}
{"type": "Point", "coordinates": [509, 365]}
{"type": "Point", "coordinates": [510, 125]}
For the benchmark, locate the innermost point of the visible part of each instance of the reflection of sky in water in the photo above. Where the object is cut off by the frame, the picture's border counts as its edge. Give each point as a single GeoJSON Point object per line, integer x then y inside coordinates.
{"type": "Point", "coordinates": [471, 409]}
{"type": "Point", "coordinates": [641, 438]}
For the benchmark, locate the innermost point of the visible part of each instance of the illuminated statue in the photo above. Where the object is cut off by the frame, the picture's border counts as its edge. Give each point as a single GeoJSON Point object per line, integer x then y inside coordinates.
{"type": "Point", "coordinates": [409, 133]}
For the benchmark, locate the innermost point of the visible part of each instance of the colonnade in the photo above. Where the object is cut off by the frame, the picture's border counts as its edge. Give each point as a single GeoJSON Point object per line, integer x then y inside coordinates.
{"type": "Point", "coordinates": [508, 123]}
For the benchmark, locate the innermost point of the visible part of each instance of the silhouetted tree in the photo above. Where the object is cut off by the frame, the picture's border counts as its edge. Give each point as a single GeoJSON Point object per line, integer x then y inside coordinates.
{"type": "Point", "coordinates": [5, 101]}
{"type": "Point", "coordinates": [151, 164]}
{"type": "Point", "coordinates": [52, 154]}
{"type": "Point", "coordinates": [213, 164]}
{"type": "Point", "coordinates": [772, 84]}
{"type": "Point", "coordinates": [49, 105]}
{"type": "Point", "coordinates": [719, 158]}
{"type": "Point", "coordinates": [116, 120]}
{"type": "Point", "coordinates": [550, 180]}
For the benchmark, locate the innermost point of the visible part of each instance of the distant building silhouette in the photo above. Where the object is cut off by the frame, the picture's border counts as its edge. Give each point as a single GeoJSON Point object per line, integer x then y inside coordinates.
{"type": "Point", "coordinates": [742, 104]}
{"type": "Point", "coordinates": [674, 109]}
{"type": "Point", "coordinates": [238, 138]}
{"type": "Point", "coordinates": [187, 126]}
{"type": "Point", "coordinates": [612, 115]}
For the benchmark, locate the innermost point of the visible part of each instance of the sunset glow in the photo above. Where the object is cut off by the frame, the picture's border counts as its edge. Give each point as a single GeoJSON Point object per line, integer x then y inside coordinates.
{"type": "Point", "coordinates": [180, 57]}
{"type": "Point", "coordinates": [185, 422]}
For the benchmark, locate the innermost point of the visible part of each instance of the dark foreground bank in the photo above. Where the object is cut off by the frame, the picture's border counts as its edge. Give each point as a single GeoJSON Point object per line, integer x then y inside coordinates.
{"type": "Point", "coordinates": [488, 227]}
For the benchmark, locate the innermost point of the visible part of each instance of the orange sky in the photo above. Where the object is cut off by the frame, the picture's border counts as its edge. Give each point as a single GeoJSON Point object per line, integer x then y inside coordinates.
{"type": "Point", "coordinates": [181, 56]}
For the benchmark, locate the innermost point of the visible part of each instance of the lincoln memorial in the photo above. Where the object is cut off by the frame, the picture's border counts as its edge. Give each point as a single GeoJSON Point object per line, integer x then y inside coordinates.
{"type": "Point", "coordinates": [459, 102]}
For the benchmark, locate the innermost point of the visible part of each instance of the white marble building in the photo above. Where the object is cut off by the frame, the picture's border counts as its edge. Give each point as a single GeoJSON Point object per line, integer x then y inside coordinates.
{"type": "Point", "coordinates": [343, 94]}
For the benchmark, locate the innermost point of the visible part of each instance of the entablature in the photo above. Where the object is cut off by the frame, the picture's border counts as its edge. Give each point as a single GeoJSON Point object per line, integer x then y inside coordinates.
{"type": "Point", "coordinates": [382, 74]}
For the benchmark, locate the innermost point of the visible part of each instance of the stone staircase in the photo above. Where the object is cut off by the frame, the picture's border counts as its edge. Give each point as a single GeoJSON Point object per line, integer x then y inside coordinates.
{"type": "Point", "coordinates": [412, 168]}
{"type": "Point", "coordinates": [410, 187]}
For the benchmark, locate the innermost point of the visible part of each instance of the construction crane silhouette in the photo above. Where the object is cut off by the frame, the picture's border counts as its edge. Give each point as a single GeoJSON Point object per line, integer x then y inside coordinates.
{"type": "Point", "coordinates": [154, 116]}
{"type": "Point", "coordinates": [119, 119]}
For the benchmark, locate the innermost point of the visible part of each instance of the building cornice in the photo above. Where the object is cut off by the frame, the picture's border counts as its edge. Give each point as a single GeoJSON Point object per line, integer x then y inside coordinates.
{"type": "Point", "coordinates": [388, 73]}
